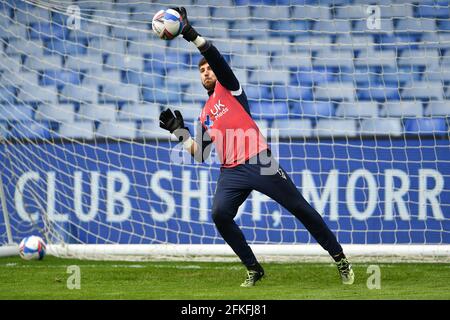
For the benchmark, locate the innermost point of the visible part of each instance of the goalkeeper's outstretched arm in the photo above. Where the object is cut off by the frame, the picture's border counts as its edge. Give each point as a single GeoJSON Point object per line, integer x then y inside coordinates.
{"type": "Point", "coordinates": [215, 60]}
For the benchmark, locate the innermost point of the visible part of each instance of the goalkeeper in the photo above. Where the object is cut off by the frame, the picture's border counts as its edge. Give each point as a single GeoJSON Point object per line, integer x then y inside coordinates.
{"type": "Point", "coordinates": [245, 164]}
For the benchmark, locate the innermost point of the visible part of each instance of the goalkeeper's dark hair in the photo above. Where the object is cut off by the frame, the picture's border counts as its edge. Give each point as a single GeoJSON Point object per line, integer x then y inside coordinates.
{"type": "Point", "coordinates": [202, 62]}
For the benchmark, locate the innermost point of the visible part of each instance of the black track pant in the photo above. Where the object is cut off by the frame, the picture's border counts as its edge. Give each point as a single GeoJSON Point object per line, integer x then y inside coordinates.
{"type": "Point", "coordinates": [234, 186]}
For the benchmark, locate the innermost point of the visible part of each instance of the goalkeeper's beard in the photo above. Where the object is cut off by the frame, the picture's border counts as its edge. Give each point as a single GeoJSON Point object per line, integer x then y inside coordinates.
{"type": "Point", "coordinates": [209, 85]}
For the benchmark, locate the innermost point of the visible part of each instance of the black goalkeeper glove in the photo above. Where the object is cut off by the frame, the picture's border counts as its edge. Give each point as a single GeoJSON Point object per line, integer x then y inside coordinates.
{"type": "Point", "coordinates": [188, 32]}
{"type": "Point", "coordinates": [174, 124]}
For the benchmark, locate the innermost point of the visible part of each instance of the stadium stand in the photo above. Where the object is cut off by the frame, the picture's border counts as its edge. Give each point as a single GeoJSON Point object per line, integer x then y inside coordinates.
{"type": "Point", "coordinates": [318, 62]}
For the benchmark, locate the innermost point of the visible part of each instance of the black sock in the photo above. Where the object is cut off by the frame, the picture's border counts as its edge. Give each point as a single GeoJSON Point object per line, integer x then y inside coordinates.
{"type": "Point", "coordinates": [255, 267]}
{"type": "Point", "coordinates": [339, 257]}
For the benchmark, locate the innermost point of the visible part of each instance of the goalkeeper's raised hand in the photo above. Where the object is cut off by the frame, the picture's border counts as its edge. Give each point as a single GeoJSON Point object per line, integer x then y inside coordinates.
{"type": "Point", "coordinates": [174, 123]}
{"type": "Point", "coordinates": [188, 32]}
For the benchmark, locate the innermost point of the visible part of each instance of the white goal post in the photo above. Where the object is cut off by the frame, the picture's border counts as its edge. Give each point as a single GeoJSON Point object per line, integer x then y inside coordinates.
{"type": "Point", "coordinates": [353, 96]}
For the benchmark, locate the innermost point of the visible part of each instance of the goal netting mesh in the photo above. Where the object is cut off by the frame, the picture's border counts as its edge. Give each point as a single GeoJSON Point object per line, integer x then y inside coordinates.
{"type": "Point", "coordinates": [353, 96]}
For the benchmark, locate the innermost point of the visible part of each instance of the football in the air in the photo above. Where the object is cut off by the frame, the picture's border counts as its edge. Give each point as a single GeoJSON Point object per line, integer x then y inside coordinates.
{"type": "Point", "coordinates": [167, 24]}
{"type": "Point", "coordinates": [32, 248]}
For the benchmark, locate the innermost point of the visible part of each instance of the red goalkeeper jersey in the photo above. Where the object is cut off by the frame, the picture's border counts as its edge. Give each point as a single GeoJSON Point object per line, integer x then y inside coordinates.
{"type": "Point", "coordinates": [233, 131]}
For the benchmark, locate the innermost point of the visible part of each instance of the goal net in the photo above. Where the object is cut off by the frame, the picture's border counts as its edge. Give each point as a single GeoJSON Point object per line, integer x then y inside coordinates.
{"type": "Point", "coordinates": [353, 96]}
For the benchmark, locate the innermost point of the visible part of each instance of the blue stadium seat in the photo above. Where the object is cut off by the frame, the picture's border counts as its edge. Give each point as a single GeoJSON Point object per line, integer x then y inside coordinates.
{"type": "Point", "coordinates": [402, 109]}
{"type": "Point", "coordinates": [60, 78]}
{"type": "Point", "coordinates": [414, 25]}
{"type": "Point", "coordinates": [360, 109]}
{"type": "Point", "coordinates": [220, 29]}
{"type": "Point", "coordinates": [17, 79]}
{"type": "Point", "coordinates": [316, 12]}
{"type": "Point", "coordinates": [55, 113]}
{"type": "Point", "coordinates": [7, 94]}
{"type": "Point", "coordinates": [311, 42]}
{"type": "Point", "coordinates": [24, 47]}
{"type": "Point", "coordinates": [31, 15]}
{"type": "Point", "coordinates": [399, 76]}
{"type": "Point", "coordinates": [30, 130]}
{"type": "Point", "coordinates": [256, 62]}
{"type": "Point", "coordinates": [233, 13]}
{"type": "Point", "coordinates": [257, 92]}
{"type": "Point", "coordinates": [46, 31]}
{"type": "Point", "coordinates": [104, 45]}
{"type": "Point", "coordinates": [332, 26]}
{"type": "Point", "coordinates": [379, 92]}
{"type": "Point", "coordinates": [142, 111]}
{"type": "Point", "coordinates": [195, 92]}
{"type": "Point", "coordinates": [445, 62]}
{"type": "Point", "coordinates": [21, 112]}
{"type": "Point", "coordinates": [117, 129]}
{"type": "Point", "coordinates": [333, 127]}
{"type": "Point", "coordinates": [292, 128]}
{"type": "Point", "coordinates": [283, 28]}
{"type": "Point", "coordinates": [435, 40]}
{"type": "Point", "coordinates": [435, 126]}
{"type": "Point", "coordinates": [151, 129]}
{"type": "Point", "coordinates": [123, 62]}
{"type": "Point", "coordinates": [146, 48]}
{"type": "Point", "coordinates": [397, 41]}
{"type": "Point", "coordinates": [443, 25]}
{"type": "Point", "coordinates": [314, 110]}
{"type": "Point", "coordinates": [269, 110]}
{"type": "Point", "coordinates": [433, 9]}
{"type": "Point", "coordinates": [42, 62]}
{"type": "Point", "coordinates": [438, 108]}
{"type": "Point", "coordinates": [77, 130]}
{"type": "Point", "coordinates": [270, 77]}
{"type": "Point", "coordinates": [381, 126]}
{"type": "Point", "coordinates": [185, 77]}
{"type": "Point", "coordinates": [229, 47]}
{"type": "Point", "coordinates": [97, 112]}
{"type": "Point", "coordinates": [331, 58]}
{"type": "Point", "coordinates": [143, 79]}
{"type": "Point", "coordinates": [393, 9]}
{"type": "Point", "coordinates": [292, 60]}
{"type": "Point", "coordinates": [360, 75]}
{"type": "Point", "coordinates": [164, 62]}
{"type": "Point", "coordinates": [422, 57]}
{"type": "Point", "coordinates": [30, 94]}
{"type": "Point", "coordinates": [65, 47]}
{"type": "Point", "coordinates": [292, 93]}
{"type": "Point", "coordinates": [3, 130]}
{"type": "Point", "coordinates": [307, 76]}
{"type": "Point", "coordinates": [13, 32]}
{"type": "Point", "coordinates": [373, 58]}
{"type": "Point", "coordinates": [278, 46]}
{"type": "Point", "coordinates": [102, 77]}
{"type": "Point", "coordinates": [335, 92]}
{"type": "Point", "coordinates": [424, 90]}
{"type": "Point", "coordinates": [353, 42]}
{"type": "Point", "coordinates": [89, 31]}
{"type": "Point", "coordinates": [270, 12]}
{"type": "Point", "coordinates": [119, 93]}
{"type": "Point", "coordinates": [134, 32]}
{"type": "Point", "coordinates": [90, 63]}
{"type": "Point", "coordinates": [244, 29]}
{"type": "Point", "coordinates": [191, 111]}
{"type": "Point", "coordinates": [163, 95]}
{"type": "Point", "coordinates": [261, 2]}
{"type": "Point", "coordinates": [79, 93]}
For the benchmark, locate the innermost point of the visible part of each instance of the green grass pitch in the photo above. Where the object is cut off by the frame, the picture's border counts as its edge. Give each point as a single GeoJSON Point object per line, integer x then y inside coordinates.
{"type": "Point", "coordinates": [48, 279]}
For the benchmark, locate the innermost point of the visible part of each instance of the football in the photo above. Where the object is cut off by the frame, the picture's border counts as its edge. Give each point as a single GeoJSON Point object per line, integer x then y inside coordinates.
{"type": "Point", "coordinates": [167, 24]}
{"type": "Point", "coordinates": [32, 248]}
